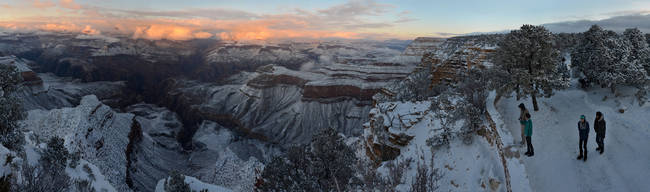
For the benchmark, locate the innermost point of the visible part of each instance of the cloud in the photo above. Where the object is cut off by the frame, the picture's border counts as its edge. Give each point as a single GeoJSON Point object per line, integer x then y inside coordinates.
{"type": "Point", "coordinates": [627, 12]}
{"type": "Point", "coordinates": [403, 13]}
{"type": "Point", "coordinates": [172, 32]}
{"type": "Point", "coordinates": [405, 20]}
{"type": "Point", "coordinates": [43, 4]}
{"type": "Point", "coordinates": [70, 4]}
{"type": "Point", "coordinates": [216, 13]}
{"type": "Point", "coordinates": [356, 7]}
{"type": "Point", "coordinates": [639, 19]}
{"type": "Point", "coordinates": [61, 27]}
{"type": "Point", "coordinates": [338, 21]}
{"type": "Point", "coordinates": [90, 31]}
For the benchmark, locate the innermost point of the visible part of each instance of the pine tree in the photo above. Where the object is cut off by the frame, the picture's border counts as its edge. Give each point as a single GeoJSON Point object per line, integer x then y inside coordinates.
{"type": "Point", "coordinates": [326, 164]}
{"type": "Point", "coordinates": [526, 63]}
{"type": "Point", "coordinates": [10, 108]}
{"type": "Point", "coordinates": [50, 174]}
{"type": "Point", "coordinates": [608, 59]}
{"type": "Point", "coordinates": [55, 155]}
{"type": "Point", "coordinates": [333, 160]}
{"type": "Point", "coordinates": [176, 183]}
{"type": "Point", "coordinates": [639, 52]}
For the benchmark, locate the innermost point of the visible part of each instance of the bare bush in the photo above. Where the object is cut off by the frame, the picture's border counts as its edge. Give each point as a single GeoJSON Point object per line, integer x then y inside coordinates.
{"type": "Point", "coordinates": [426, 178]}
{"type": "Point", "coordinates": [42, 179]}
{"type": "Point", "coordinates": [396, 171]}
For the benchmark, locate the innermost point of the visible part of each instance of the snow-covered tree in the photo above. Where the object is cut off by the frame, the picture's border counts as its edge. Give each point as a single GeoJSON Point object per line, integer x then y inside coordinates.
{"type": "Point", "coordinates": [473, 88]}
{"type": "Point", "coordinates": [566, 41]}
{"type": "Point", "coordinates": [55, 156]}
{"type": "Point", "coordinates": [176, 183]}
{"type": "Point", "coordinates": [43, 177]}
{"type": "Point", "coordinates": [526, 63]}
{"type": "Point", "coordinates": [10, 108]}
{"type": "Point", "coordinates": [607, 59]}
{"type": "Point", "coordinates": [332, 159]}
{"type": "Point", "coordinates": [326, 164]}
{"type": "Point", "coordinates": [639, 51]}
{"type": "Point", "coordinates": [82, 185]}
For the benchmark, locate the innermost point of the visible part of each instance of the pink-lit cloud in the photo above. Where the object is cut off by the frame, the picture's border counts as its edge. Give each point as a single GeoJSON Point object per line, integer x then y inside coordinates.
{"type": "Point", "coordinates": [339, 21]}
{"type": "Point", "coordinates": [41, 4]}
{"type": "Point", "coordinates": [70, 4]}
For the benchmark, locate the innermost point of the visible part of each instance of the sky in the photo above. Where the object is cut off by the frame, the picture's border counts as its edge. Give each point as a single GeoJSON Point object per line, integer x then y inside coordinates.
{"type": "Point", "coordinates": [354, 19]}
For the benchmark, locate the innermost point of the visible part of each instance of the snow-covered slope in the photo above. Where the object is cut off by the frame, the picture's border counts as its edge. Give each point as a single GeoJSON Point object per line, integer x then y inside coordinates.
{"type": "Point", "coordinates": [195, 185]}
{"type": "Point", "coordinates": [285, 106]}
{"type": "Point", "coordinates": [494, 161]}
{"type": "Point", "coordinates": [219, 157]}
{"type": "Point", "coordinates": [93, 129]}
{"type": "Point", "coordinates": [57, 92]}
{"type": "Point", "coordinates": [623, 166]}
{"type": "Point", "coordinates": [417, 133]}
{"type": "Point", "coordinates": [84, 170]}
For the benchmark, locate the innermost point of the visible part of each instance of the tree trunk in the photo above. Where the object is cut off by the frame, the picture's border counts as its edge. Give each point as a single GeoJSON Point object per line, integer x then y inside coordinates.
{"type": "Point", "coordinates": [517, 93]}
{"type": "Point", "coordinates": [338, 189]}
{"type": "Point", "coordinates": [535, 107]}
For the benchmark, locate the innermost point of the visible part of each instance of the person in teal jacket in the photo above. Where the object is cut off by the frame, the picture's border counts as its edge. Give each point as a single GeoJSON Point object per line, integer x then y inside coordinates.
{"type": "Point", "coordinates": [528, 132]}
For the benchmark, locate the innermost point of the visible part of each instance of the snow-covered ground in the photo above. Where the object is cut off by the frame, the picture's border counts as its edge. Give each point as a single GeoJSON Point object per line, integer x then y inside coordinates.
{"type": "Point", "coordinates": [625, 165]}
{"type": "Point", "coordinates": [495, 158]}
{"type": "Point", "coordinates": [464, 167]}
{"type": "Point", "coordinates": [195, 185]}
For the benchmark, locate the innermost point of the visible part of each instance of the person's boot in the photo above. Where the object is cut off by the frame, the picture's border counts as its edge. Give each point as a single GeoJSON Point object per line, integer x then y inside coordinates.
{"type": "Point", "coordinates": [585, 159]}
{"type": "Point", "coordinates": [602, 149]}
{"type": "Point", "coordinates": [580, 156]}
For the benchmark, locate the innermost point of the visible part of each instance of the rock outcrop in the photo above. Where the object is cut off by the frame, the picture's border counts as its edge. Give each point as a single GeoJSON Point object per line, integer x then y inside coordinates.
{"type": "Point", "coordinates": [423, 45]}
{"type": "Point", "coordinates": [284, 106]}
{"type": "Point", "coordinates": [30, 78]}
{"type": "Point", "coordinates": [94, 130]}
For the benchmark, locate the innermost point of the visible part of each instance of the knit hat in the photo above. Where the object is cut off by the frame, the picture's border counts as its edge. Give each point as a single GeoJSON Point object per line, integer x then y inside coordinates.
{"type": "Point", "coordinates": [582, 116]}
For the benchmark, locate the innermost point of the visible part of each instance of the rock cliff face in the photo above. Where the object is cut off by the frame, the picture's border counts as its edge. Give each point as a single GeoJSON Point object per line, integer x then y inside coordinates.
{"type": "Point", "coordinates": [447, 61]}
{"type": "Point", "coordinates": [218, 156]}
{"type": "Point", "coordinates": [94, 130]}
{"type": "Point", "coordinates": [448, 68]}
{"type": "Point", "coordinates": [284, 106]}
{"type": "Point", "coordinates": [423, 45]}
{"type": "Point", "coordinates": [30, 78]}
{"type": "Point", "coordinates": [47, 91]}
{"type": "Point", "coordinates": [217, 109]}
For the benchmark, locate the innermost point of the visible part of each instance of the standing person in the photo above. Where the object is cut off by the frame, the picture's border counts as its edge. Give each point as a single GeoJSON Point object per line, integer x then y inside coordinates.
{"type": "Point", "coordinates": [599, 128]}
{"type": "Point", "coordinates": [583, 130]}
{"type": "Point", "coordinates": [528, 131]}
{"type": "Point", "coordinates": [522, 120]}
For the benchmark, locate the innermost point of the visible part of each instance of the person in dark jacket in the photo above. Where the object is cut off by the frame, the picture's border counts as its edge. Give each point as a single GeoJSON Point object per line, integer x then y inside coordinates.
{"type": "Point", "coordinates": [528, 131]}
{"type": "Point", "coordinates": [583, 130]}
{"type": "Point", "coordinates": [599, 128]}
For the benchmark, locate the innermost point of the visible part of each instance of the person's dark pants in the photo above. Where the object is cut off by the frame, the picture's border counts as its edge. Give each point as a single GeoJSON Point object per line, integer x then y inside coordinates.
{"type": "Point", "coordinates": [600, 140]}
{"type": "Point", "coordinates": [529, 144]}
{"type": "Point", "coordinates": [583, 146]}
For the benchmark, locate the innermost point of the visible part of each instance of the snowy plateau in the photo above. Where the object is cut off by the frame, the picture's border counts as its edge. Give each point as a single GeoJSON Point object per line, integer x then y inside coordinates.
{"type": "Point", "coordinates": [217, 113]}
